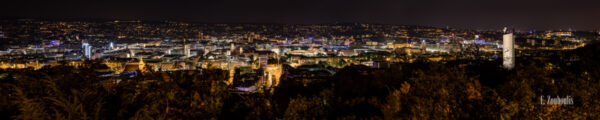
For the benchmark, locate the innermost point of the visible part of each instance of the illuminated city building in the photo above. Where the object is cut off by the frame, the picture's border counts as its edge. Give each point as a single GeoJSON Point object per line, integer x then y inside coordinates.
{"type": "Point", "coordinates": [508, 51]}
{"type": "Point", "coordinates": [87, 50]}
{"type": "Point", "coordinates": [134, 67]}
{"type": "Point", "coordinates": [186, 50]}
{"type": "Point", "coordinates": [273, 73]}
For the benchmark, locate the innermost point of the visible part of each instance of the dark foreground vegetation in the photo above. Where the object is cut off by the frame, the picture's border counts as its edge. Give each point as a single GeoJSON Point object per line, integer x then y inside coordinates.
{"type": "Point", "coordinates": [420, 90]}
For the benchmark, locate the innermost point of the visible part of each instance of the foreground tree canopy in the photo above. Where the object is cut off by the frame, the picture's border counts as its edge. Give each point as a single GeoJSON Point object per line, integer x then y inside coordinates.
{"type": "Point", "coordinates": [420, 90]}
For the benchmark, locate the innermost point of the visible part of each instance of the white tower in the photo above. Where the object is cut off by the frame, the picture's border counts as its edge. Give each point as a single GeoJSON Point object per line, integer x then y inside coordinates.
{"type": "Point", "coordinates": [87, 50]}
{"type": "Point", "coordinates": [186, 50]}
{"type": "Point", "coordinates": [111, 46]}
{"type": "Point", "coordinates": [508, 51]}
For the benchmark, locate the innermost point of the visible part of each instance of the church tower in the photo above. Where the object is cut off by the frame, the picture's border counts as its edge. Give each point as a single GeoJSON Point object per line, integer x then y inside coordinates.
{"type": "Point", "coordinates": [141, 64]}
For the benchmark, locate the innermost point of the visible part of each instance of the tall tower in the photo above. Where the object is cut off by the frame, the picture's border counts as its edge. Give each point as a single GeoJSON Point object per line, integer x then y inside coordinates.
{"type": "Point", "coordinates": [141, 64]}
{"type": "Point", "coordinates": [186, 49]}
{"type": "Point", "coordinates": [232, 48]}
{"type": "Point", "coordinates": [87, 50]}
{"type": "Point", "coordinates": [423, 46]}
{"type": "Point", "coordinates": [111, 46]}
{"type": "Point", "coordinates": [508, 50]}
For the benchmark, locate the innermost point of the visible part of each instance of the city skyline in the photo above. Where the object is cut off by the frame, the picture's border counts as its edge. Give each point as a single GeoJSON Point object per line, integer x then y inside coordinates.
{"type": "Point", "coordinates": [235, 59]}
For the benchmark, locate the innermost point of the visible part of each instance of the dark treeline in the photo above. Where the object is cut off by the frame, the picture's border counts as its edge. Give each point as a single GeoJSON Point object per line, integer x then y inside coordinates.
{"type": "Point", "coordinates": [420, 90]}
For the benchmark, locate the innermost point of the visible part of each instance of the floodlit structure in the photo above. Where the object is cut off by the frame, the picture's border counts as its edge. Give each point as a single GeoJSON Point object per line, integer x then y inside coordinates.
{"type": "Point", "coordinates": [273, 73]}
{"type": "Point", "coordinates": [508, 51]}
{"type": "Point", "coordinates": [423, 46]}
{"type": "Point", "coordinates": [186, 50]}
{"type": "Point", "coordinates": [87, 50]}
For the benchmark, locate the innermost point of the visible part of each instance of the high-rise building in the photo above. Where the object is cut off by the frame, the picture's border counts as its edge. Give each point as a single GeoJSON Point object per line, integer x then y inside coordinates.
{"type": "Point", "coordinates": [186, 50]}
{"type": "Point", "coordinates": [87, 50]}
{"type": "Point", "coordinates": [111, 46]}
{"type": "Point", "coordinates": [423, 46]}
{"type": "Point", "coordinates": [508, 51]}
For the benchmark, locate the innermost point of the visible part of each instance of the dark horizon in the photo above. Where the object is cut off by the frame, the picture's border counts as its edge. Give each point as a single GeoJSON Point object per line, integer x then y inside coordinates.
{"type": "Point", "coordinates": [462, 14]}
{"type": "Point", "coordinates": [517, 28]}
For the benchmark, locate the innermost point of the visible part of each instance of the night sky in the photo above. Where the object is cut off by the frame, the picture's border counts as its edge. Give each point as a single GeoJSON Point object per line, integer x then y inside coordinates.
{"type": "Point", "coordinates": [472, 14]}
